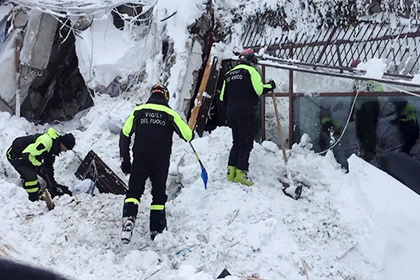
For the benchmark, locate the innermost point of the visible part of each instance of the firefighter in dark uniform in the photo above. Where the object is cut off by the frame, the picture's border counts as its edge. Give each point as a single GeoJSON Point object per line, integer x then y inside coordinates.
{"type": "Point", "coordinates": [153, 124]}
{"type": "Point", "coordinates": [34, 155]}
{"type": "Point", "coordinates": [241, 90]}
{"type": "Point", "coordinates": [407, 122]}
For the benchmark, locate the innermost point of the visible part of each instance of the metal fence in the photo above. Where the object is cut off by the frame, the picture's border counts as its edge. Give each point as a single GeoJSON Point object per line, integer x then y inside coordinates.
{"type": "Point", "coordinates": [337, 47]}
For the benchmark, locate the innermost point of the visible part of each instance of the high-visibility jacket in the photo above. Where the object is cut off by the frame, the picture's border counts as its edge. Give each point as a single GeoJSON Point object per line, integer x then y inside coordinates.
{"type": "Point", "coordinates": [367, 86]}
{"type": "Point", "coordinates": [408, 114]}
{"type": "Point", "coordinates": [153, 124]}
{"type": "Point", "coordinates": [37, 149]}
{"type": "Point", "coordinates": [241, 89]}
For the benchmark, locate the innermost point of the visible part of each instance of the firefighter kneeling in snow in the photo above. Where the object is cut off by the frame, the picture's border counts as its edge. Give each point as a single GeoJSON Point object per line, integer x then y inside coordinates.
{"type": "Point", "coordinates": [153, 124]}
{"type": "Point", "coordinates": [34, 155]}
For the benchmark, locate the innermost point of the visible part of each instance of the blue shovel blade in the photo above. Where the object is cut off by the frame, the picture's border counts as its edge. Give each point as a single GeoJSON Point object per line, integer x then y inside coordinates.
{"type": "Point", "coordinates": [204, 176]}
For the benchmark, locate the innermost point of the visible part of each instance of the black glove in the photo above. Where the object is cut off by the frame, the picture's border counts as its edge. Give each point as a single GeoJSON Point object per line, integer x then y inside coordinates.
{"type": "Point", "coordinates": [394, 122]}
{"type": "Point", "coordinates": [126, 167]}
{"type": "Point", "coordinates": [63, 190]}
{"type": "Point", "coordinates": [272, 83]}
{"type": "Point", "coordinates": [47, 173]}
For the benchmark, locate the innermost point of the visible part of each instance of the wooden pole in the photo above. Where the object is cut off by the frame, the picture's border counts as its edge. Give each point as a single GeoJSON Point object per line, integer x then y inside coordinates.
{"type": "Point", "coordinates": [296, 190]}
{"type": "Point", "coordinates": [18, 47]}
{"type": "Point", "coordinates": [283, 147]}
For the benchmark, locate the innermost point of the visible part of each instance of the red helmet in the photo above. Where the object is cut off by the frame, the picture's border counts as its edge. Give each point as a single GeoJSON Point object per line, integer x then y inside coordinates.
{"type": "Point", "coordinates": [248, 55]}
{"type": "Point", "coordinates": [354, 63]}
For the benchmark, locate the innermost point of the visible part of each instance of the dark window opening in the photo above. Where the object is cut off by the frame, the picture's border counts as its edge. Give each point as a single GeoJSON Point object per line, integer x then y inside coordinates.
{"type": "Point", "coordinates": [128, 12]}
{"type": "Point", "coordinates": [60, 91]}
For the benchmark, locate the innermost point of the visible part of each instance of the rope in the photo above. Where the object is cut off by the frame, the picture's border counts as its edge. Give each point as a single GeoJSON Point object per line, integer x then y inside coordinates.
{"type": "Point", "coordinates": [403, 91]}
{"type": "Point", "coordinates": [345, 127]}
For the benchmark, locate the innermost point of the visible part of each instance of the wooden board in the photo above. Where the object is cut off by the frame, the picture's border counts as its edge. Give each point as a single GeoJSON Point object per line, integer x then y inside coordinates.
{"type": "Point", "coordinates": [200, 95]}
{"type": "Point", "coordinates": [48, 200]}
{"type": "Point", "coordinates": [93, 167]}
{"type": "Point", "coordinates": [207, 100]}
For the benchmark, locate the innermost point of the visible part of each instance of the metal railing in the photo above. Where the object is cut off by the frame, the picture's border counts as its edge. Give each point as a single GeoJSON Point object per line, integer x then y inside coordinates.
{"type": "Point", "coordinates": [337, 46]}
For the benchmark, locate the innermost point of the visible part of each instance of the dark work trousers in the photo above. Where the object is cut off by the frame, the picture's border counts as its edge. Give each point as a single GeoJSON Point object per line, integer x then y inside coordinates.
{"type": "Point", "coordinates": [147, 165]}
{"type": "Point", "coordinates": [26, 171]}
{"type": "Point", "coordinates": [366, 123]}
{"type": "Point", "coordinates": [243, 140]}
{"type": "Point", "coordinates": [410, 132]}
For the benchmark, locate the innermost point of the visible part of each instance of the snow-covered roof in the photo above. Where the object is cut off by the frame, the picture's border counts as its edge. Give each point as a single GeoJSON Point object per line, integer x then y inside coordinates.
{"type": "Point", "coordinates": [73, 7]}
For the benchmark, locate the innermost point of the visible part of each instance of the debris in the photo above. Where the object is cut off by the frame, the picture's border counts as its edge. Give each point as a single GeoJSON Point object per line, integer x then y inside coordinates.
{"type": "Point", "coordinates": [235, 214]}
{"type": "Point", "coordinates": [225, 273]}
{"type": "Point", "coordinates": [48, 200]}
{"type": "Point", "coordinates": [305, 268]}
{"type": "Point", "coordinates": [291, 191]}
{"type": "Point", "coordinates": [105, 179]}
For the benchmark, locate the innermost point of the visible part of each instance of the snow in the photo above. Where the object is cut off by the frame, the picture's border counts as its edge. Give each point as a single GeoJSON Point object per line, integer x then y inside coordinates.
{"type": "Point", "coordinates": [374, 68]}
{"type": "Point", "coordinates": [360, 224]}
{"type": "Point", "coordinates": [357, 225]}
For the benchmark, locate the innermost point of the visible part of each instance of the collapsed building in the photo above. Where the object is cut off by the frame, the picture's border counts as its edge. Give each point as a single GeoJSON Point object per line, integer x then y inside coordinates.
{"type": "Point", "coordinates": [44, 64]}
{"type": "Point", "coordinates": [39, 68]}
{"type": "Point", "coordinates": [323, 91]}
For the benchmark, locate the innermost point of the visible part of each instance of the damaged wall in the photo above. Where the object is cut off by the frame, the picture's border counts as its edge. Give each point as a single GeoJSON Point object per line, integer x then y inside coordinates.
{"type": "Point", "coordinates": [43, 74]}
{"type": "Point", "coordinates": [141, 41]}
{"type": "Point", "coordinates": [39, 39]}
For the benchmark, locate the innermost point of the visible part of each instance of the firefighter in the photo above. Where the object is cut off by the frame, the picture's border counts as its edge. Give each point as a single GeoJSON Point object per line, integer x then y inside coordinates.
{"type": "Point", "coordinates": [241, 90]}
{"type": "Point", "coordinates": [153, 124]}
{"type": "Point", "coordinates": [34, 155]}
{"type": "Point", "coordinates": [366, 115]}
{"type": "Point", "coordinates": [407, 122]}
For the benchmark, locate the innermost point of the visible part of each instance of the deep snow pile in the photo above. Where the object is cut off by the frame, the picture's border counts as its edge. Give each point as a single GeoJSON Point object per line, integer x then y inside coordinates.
{"type": "Point", "coordinates": [359, 225]}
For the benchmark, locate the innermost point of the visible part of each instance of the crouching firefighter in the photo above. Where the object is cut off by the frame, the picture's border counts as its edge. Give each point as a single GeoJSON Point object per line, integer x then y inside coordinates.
{"type": "Point", "coordinates": [153, 124]}
{"type": "Point", "coordinates": [34, 156]}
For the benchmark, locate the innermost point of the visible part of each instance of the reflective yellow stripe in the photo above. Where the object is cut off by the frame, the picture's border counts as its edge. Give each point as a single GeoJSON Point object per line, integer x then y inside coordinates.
{"type": "Point", "coordinates": [31, 183]}
{"type": "Point", "coordinates": [222, 92]}
{"type": "Point", "coordinates": [8, 153]}
{"type": "Point", "coordinates": [32, 190]}
{"type": "Point", "coordinates": [157, 207]}
{"type": "Point", "coordinates": [133, 200]}
{"type": "Point", "coordinates": [129, 124]}
{"type": "Point", "coordinates": [183, 128]}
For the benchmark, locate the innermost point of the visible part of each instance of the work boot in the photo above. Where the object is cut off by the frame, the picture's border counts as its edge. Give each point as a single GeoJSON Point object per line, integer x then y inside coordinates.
{"type": "Point", "coordinates": [157, 222]}
{"type": "Point", "coordinates": [39, 195]}
{"type": "Point", "coordinates": [242, 177]}
{"type": "Point", "coordinates": [127, 229]}
{"type": "Point", "coordinates": [231, 173]}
